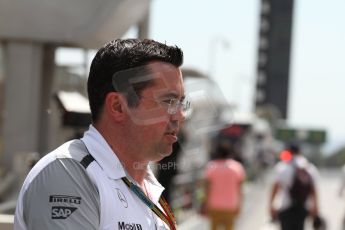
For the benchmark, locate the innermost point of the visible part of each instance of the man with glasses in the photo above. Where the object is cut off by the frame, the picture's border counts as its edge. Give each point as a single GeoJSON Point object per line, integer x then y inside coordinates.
{"type": "Point", "coordinates": [103, 180]}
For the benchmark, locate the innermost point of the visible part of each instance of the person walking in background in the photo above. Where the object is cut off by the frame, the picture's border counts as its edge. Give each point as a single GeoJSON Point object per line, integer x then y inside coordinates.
{"type": "Point", "coordinates": [224, 177]}
{"type": "Point", "coordinates": [295, 180]}
{"type": "Point", "coordinates": [103, 180]}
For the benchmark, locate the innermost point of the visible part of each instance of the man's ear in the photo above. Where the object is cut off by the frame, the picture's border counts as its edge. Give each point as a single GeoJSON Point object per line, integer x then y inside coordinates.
{"type": "Point", "coordinates": [115, 106]}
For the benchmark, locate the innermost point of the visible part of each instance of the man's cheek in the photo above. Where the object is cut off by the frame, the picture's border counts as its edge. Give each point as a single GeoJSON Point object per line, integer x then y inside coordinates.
{"type": "Point", "coordinates": [148, 117]}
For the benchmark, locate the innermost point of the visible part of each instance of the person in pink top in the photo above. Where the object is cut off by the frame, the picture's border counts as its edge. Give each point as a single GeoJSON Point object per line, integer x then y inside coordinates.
{"type": "Point", "coordinates": [224, 178]}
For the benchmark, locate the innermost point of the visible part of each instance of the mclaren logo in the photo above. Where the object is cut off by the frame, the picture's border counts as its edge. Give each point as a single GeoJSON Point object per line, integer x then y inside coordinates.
{"type": "Point", "coordinates": [122, 198]}
{"type": "Point", "coordinates": [59, 212]}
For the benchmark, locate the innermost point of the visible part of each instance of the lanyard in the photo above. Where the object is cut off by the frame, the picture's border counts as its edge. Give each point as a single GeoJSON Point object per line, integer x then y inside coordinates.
{"type": "Point", "coordinates": [168, 218]}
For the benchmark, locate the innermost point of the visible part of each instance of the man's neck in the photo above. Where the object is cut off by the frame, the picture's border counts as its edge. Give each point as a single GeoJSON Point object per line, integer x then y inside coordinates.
{"type": "Point", "coordinates": [127, 155]}
{"type": "Point", "coordinates": [136, 169]}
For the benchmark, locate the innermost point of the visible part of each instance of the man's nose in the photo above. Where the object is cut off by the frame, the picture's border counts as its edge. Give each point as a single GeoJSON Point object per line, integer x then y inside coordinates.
{"type": "Point", "coordinates": [180, 115]}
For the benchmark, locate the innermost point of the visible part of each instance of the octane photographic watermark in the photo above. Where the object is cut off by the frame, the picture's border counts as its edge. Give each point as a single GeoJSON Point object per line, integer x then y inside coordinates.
{"type": "Point", "coordinates": [163, 102]}
{"type": "Point", "coordinates": [208, 111]}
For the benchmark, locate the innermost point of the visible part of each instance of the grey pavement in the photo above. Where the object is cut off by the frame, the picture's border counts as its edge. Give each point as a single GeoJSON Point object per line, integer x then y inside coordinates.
{"type": "Point", "coordinates": [254, 214]}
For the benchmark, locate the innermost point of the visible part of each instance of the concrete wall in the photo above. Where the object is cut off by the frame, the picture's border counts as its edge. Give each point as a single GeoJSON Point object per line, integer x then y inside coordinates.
{"type": "Point", "coordinates": [6, 222]}
{"type": "Point", "coordinates": [30, 31]}
{"type": "Point", "coordinates": [85, 23]}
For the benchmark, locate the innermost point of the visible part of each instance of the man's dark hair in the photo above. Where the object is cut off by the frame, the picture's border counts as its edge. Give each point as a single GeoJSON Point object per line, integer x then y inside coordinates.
{"type": "Point", "coordinates": [294, 148]}
{"type": "Point", "coordinates": [224, 151]}
{"type": "Point", "coordinates": [125, 54]}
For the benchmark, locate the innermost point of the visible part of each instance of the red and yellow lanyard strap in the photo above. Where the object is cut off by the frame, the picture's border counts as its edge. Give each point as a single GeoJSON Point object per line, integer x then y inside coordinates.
{"type": "Point", "coordinates": [168, 219]}
{"type": "Point", "coordinates": [167, 209]}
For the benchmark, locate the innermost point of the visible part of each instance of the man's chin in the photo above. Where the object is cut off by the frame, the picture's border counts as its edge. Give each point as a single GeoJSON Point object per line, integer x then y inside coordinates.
{"type": "Point", "coordinates": [165, 154]}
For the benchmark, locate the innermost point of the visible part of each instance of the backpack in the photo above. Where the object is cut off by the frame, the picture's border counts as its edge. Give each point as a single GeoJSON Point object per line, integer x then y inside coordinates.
{"type": "Point", "coordinates": [301, 187]}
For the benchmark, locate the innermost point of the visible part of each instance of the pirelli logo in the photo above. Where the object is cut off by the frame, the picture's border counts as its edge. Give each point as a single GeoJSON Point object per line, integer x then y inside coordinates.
{"type": "Point", "coordinates": [64, 199]}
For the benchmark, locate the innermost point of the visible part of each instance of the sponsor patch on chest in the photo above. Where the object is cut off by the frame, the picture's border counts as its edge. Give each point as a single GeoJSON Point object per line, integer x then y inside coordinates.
{"type": "Point", "coordinates": [60, 212]}
{"type": "Point", "coordinates": [129, 226]}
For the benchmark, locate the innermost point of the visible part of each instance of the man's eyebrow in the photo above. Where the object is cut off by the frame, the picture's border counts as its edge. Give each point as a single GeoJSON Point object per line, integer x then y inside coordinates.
{"type": "Point", "coordinates": [173, 95]}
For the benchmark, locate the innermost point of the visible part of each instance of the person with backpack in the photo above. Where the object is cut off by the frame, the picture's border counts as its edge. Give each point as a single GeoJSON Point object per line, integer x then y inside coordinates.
{"type": "Point", "coordinates": [295, 181]}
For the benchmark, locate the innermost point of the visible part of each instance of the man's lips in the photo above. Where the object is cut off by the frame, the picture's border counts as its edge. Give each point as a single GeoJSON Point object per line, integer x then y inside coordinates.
{"type": "Point", "coordinates": [172, 136]}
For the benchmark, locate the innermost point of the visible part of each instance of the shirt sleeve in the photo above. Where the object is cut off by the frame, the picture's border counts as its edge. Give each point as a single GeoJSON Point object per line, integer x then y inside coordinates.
{"type": "Point", "coordinates": [242, 173]}
{"type": "Point", "coordinates": [281, 173]}
{"type": "Point", "coordinates": [61, 196]}
{"type": "Point", "coordinates": [314, 173]}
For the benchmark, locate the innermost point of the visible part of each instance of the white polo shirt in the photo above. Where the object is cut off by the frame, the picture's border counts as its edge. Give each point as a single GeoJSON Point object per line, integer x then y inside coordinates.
{"type": "Point", "coordinates": [284, 172]}
{"type": "Point", "coordinates": [67, 189]}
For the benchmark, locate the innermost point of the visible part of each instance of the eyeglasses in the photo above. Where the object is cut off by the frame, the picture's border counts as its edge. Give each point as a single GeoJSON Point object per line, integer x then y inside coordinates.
{"type": "Point", "coordinates": [172, 105]}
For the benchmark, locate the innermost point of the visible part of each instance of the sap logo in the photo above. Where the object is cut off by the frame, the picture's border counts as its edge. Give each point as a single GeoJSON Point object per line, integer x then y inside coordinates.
{"type": "Point", "coordinates": [59, 212]}
{"type": "Point", "coordinates": [125, 226]}
{"type": "Point", "coordinates": [64, 199]}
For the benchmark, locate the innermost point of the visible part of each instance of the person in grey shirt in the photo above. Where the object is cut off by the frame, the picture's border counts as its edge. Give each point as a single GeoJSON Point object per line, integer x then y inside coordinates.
{"type": "Point", "coordinates": [103, 180]}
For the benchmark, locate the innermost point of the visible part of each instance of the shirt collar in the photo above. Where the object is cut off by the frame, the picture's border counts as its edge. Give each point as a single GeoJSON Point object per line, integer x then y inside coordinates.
{"type": "Point", "coordinates": [110, 163]}
{"type": "Point", "coordinates": [103, 154]}
{"type": "Point", "coordinates": [157, 188]}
